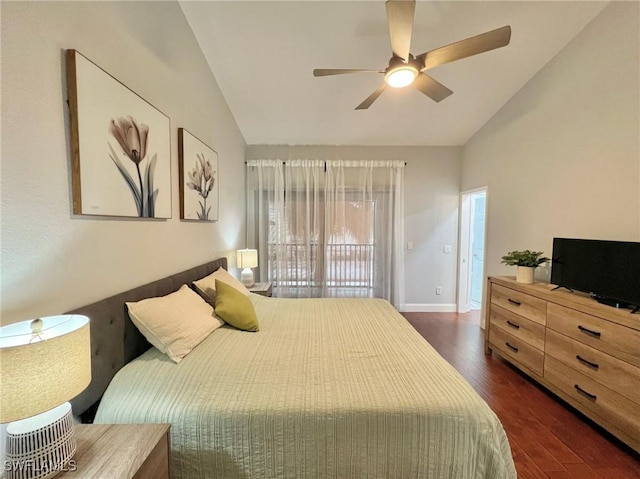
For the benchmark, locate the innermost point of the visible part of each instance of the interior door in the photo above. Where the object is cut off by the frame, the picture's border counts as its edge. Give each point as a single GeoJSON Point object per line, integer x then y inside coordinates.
{"type": "Point", "coordinates": [477, 249]}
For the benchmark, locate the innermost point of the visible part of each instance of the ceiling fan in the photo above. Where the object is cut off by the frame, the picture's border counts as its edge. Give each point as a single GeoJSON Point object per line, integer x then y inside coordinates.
{"type": "Point", "coordinates": [404, 69]}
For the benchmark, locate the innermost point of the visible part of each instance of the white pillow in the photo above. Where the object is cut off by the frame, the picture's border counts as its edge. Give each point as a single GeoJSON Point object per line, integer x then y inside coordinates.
{"type": "Point", "coordinates": [207, 285]}
{"type": "Point", "coordinates": [175, 323]}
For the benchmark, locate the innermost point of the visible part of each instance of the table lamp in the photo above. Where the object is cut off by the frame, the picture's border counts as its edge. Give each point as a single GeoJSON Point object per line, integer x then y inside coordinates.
{"type": "Point", "coordinates": [247, 259]}
{"type": "Point", "coordinates": [43, 364]}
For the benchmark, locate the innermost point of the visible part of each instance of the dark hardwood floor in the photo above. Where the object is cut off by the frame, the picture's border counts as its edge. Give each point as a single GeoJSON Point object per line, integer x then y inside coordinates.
{"type": "Point", "coordinates": [549, 439]}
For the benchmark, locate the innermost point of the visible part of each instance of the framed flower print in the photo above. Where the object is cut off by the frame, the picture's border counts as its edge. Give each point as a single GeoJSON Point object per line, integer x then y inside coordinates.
{"type": "Point", "coordinates": [120, 146]}
{"type": "Point", "coordinates": [198, 165]}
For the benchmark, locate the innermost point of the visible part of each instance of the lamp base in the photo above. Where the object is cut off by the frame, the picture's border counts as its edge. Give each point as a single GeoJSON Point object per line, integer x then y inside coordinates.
{"type": "Point", "coordinates": [246, 277]}
{"type": "Point", "coordinates": [41, 446]}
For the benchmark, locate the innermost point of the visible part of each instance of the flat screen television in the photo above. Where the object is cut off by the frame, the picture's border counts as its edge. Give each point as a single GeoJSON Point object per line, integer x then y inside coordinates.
{"type": "Point", "coordinates": [608, 270]}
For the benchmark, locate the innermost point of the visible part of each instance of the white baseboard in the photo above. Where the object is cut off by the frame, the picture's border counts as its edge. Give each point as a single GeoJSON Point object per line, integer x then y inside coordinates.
{"type": "Point", "coordinates": [429, 308]}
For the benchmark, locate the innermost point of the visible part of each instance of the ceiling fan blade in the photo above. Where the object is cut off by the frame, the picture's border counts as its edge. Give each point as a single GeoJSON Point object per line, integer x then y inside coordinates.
{"type": "Point", "coordinates": [321, 72]}
{"type": "Point", "coordinates": [400, 18]}
{"type": "Point", "coordinates": [371, 98]}
{"type": "Point", "coordinates": [466, 48]}
{"type": "Point", "coordinates": [431, 87]}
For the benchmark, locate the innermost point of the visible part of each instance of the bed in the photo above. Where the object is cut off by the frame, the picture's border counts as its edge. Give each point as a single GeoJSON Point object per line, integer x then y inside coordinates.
{"type": "Point", "coordinates": [326, 388]}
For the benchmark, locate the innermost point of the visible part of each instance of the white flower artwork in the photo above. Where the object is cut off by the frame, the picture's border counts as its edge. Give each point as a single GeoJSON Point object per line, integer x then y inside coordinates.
{"type": "Point", "coordinates": [121, 146]}
{"type": "Point", "coordinates": [198, 178]}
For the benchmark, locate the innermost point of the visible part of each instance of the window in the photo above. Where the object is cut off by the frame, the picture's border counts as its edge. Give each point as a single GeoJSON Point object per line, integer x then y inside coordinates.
{"type": "Point", "coordinates": [331, 228]}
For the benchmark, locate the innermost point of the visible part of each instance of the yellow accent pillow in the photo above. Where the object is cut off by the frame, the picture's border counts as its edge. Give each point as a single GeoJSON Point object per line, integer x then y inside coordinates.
{"type": "Point", "coordinates": [206, 286]}
{"type": "Point", "coordinates": [235, 308]}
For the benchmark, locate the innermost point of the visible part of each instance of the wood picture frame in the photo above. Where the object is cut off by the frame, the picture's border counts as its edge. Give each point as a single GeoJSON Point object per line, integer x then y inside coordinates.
{"type": "Point", "coordinates": [198, 167]}
{"type": "Point", "coordinates": [120, 146]}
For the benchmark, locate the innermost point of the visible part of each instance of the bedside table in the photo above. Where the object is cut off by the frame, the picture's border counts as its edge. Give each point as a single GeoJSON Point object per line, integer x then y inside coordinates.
{"type": "Point", "coordinates": [263, 289]}
{"type": "Point", "coordinates": [120, 451]}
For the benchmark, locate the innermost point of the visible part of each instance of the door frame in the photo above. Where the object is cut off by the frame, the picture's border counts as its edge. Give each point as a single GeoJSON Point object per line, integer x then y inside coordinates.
{"type": "Point", "coordinates": [465, 252]}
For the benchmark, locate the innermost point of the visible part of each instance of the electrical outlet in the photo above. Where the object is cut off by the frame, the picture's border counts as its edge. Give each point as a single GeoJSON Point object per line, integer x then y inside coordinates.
{"type": "Point", "coordinates": [438, 289]}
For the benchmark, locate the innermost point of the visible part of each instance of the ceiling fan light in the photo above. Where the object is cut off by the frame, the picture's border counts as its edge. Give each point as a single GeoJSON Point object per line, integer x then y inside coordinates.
{"type": "Point", "coordinates": [401, 76]}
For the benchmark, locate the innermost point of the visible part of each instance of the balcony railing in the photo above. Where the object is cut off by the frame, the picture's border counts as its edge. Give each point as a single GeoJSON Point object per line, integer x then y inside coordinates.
{"type": "Point", "coordinates": [332, 266]}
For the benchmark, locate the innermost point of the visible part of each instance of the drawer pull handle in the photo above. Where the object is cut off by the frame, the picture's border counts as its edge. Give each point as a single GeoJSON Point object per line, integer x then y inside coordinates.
{"type": "Point", "coordinates": [588, 363]}
{"type": "Point", "coordinates": [595, 334]}
{"type": "Point", "coordinates": [593, 397]}
{"type": "Point", "coordinates": [513, 325]}
{"type": "Point", "coordinates": [513, 301]}
{"type": "Point", "coordinates": [512, 348]}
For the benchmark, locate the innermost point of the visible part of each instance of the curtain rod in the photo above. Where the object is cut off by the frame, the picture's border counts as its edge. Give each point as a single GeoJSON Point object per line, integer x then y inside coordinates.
{"type": "Point", "coordinates": [284, 163]}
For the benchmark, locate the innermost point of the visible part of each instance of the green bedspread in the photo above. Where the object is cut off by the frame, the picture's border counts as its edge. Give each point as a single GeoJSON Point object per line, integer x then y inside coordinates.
{"type": "Point", "coordinates": [328, 388]}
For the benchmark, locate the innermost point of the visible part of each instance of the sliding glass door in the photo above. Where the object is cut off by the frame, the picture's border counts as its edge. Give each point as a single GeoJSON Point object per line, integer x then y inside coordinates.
{"type": "Point", "coordinates": [327, 229]}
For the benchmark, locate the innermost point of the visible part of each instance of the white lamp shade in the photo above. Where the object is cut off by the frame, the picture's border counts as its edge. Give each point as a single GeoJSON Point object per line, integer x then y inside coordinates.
{"type": "Point", "coordinates": [247, 258]}
{"type": "Point", "coordinates": [40, 371]}
{"type": "Point", "coordinates": [401, 77]}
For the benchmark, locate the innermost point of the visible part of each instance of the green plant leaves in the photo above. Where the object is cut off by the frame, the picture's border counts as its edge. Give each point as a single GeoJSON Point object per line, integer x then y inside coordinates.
{"type": "Point", "coordinates": [524, 258]}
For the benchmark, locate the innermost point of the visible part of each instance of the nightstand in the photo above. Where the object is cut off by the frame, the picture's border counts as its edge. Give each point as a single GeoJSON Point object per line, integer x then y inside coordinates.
{"type": "Point", "coordinates": [263, 289]}
{"type": "Point", "coordinates": [120, 451]}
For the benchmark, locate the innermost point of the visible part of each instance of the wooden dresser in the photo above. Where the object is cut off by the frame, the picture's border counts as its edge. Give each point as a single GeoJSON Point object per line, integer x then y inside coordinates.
{"type": "Point", "coordinates": [585, 352]}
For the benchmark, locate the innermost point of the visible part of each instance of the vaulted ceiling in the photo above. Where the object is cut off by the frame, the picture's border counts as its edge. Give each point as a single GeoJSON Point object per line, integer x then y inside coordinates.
{"type": "Point", "coordinates": [262, 55]}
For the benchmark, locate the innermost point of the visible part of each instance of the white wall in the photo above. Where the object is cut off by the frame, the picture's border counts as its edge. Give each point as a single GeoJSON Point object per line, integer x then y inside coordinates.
{"type": "Point", "coordinates": [51, 260]}
{"type": "Point", "coordinates": [562, 157]}
{"type": "Point", "coordinates": [432, 187]}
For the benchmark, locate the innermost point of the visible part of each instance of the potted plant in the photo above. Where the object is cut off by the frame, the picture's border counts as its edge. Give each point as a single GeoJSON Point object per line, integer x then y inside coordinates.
{"type": "Point", "coordinates": [526, 261]}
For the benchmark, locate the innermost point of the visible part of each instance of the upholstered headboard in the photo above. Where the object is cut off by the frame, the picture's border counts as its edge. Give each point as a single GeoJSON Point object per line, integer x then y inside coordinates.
{"type": "Point", "coordinates": [115, 341]}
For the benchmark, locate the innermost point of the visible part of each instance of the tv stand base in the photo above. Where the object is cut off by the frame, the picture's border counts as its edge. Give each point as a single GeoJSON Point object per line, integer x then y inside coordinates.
{"type": "Point", "coordinates": [558, 287]}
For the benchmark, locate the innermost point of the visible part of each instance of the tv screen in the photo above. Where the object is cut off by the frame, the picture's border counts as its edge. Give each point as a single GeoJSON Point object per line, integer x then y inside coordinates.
{"type": "Point", "coordinates": [610, 270]}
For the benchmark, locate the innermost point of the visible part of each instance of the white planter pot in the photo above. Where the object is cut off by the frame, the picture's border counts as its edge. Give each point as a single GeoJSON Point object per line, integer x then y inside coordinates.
{"type": "Point", "coordinates": [524, 274]}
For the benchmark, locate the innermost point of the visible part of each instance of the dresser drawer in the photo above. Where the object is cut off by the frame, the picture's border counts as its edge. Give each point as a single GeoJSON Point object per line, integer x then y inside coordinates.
{"type": "Point", "coordinates": [614, 339]}
{"type": "Point", "coordinates": [527, 306]}
{"type": "Point", "coordinates": [518, 326]}
{"type": "Point", "coordinates": [610, 406]}
{"type": "Point", "coordinates": [618, 375]}
{"type": "Point", "coordinates": [517, 349]}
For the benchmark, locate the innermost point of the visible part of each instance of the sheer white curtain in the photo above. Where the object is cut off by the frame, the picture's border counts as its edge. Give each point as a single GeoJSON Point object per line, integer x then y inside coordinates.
{"type": "Point", "coordinates": [331, 228]}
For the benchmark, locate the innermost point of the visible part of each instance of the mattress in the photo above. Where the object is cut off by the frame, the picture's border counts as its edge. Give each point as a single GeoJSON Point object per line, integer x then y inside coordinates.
{"type": "Point", "coordinates": [341, 388]}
